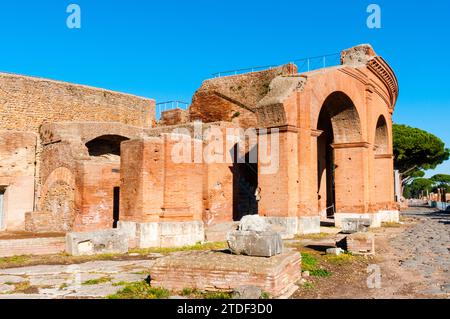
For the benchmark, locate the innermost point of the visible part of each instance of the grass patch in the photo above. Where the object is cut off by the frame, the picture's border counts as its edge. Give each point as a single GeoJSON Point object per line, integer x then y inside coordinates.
{"type": "Point", "coordinates": [197, 294]}
{"type": "Point", "coordinates": [216, 295]}
{"type": "Point", "coordinates": [341, 259]}
{"type": "Point", "coordinates": [311, 264]}
{"type": "Point", "coordinates": [308, 286]}
{"type": "Point", "coordinates": [390, 225]}
{"type": "Point", "coordinates": [140, 290]}
{"type": "Point", "coordinates": [314, 236]}
{"type": "Point", "coordinates": [198, 246]}
{"type": "Point", "coordinates": [63, 286]}
{"type": "Point", "coordinates": [97, 281]}
{"type": "Point", "coordinates": [24, 288]}
{"type": "Point", "coordinates": [320, 272]}
{"type": "Point", "coordinates": [120, 283]}
{"type": "Point", "coordinates": [14, 260]}
{"type": "Point", "coordinates": [308, 262]}
{"type": "Point", "coordinates": [265, 295]}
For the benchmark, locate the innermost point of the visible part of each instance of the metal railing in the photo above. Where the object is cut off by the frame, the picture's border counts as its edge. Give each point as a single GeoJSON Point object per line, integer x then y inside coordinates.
{"type": "Point", "coordinates": [318, 62]}
{"type": "Point", "coordinates": [169, 105]}
{"type": "Point", "coordinates": [304, 65]}
{"type": "Point", "coordinates": [242, 71]}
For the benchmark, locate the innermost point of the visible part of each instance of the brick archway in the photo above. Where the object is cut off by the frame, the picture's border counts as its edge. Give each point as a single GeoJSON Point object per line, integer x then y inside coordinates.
{"type": "Point", "coordinates": [338, 145]}
{"type": "Point", "coordinates": [383, 192]}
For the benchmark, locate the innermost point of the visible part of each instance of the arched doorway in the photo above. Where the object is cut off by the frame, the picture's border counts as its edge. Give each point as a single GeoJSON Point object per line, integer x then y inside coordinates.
{"type": "Point", "coordinates": [383, 170]}
{"type": "Point", "coordinates": [339, 124]}
{"type": "Point", "coordinates": [105, 151]}
{"type": "Point", "coordinates": [381, 136]}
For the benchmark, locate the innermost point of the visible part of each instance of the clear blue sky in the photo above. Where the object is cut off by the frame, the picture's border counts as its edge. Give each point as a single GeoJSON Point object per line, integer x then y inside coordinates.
{"type": "Point", "coordinates": [165, 49]}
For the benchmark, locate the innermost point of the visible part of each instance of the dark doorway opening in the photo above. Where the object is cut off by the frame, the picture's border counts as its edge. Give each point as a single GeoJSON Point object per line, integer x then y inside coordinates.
{"type": "Point", "coordinates": [116, 206]}
{"type": "Point", "coordinates": [325, 165]}
{"type": "Point", "coordinates": [245, 185]}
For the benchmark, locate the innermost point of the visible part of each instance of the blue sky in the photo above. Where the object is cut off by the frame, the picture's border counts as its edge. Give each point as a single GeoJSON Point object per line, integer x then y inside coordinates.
{"type": "Point", "coordinates": [165, 49]}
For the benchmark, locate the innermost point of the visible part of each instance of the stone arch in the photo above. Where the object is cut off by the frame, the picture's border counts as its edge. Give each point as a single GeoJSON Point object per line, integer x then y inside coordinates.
{"type": "Point", "coordinates": [105, 144]}
{"type": "Point", "coordinates": [381, 142]}
{"type": "Point", "coordinates": [339, 125]}
{"type": "Point", "coordinates": [341, 112]}
{"type": "Point", "coordinates": [58, 199]}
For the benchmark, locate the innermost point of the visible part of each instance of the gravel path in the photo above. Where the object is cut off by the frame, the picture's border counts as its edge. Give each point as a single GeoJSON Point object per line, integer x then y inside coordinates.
{"type": "Point", "coordinates": [95, 279]}
{"type": "Point", "coordinates": [425, 248]}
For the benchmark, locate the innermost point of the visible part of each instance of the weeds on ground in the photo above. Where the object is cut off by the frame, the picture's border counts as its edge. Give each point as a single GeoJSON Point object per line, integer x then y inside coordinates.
{"type": "Point", "coordinates": [198, 246]}
{"type": "Point", "coordinates": [198, 294]}
{"type": "Point", "coordinates": [310, 263]}
{"type": "Point", "coordinates": [140, 290]}
{"type": "Point", "coordinates": [97, 281]}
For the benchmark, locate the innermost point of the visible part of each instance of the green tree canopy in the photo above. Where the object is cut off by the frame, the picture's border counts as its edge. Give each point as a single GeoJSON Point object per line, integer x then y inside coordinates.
{"type": "Point", "coordinates": [441, 178]}
{"type": "Point", "coordinates": [417, 187]}
{"type": "Point", "coordinates": [416, 150]}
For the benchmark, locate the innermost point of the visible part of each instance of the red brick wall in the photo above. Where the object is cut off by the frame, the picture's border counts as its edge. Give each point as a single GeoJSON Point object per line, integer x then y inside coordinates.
{"type": "Point", "coordinates": [94, 196]}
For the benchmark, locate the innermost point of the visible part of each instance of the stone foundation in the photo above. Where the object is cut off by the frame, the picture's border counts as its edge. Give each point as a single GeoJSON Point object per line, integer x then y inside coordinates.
{"type": "Point", "coordinates": [220, 271]}
{"type": "Point", "coordinates": [98, 242]}
{"type": "Point", "coordinates": [163, 234]}
{"type": "Point", "coordinates": [308, 225]}
{"type": "Point", "coordinates": [288, 227]}
{"type": "Point", "coordinates": [375, 218]}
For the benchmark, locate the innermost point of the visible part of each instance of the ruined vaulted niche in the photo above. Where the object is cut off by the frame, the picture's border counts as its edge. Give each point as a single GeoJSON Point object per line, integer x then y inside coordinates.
{"type": "Point", "coordinates": [105, 145]}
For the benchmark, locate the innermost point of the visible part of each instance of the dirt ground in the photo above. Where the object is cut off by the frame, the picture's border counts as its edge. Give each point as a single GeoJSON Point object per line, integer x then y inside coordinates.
{"type": "Point", "coordinates": [412, 258]}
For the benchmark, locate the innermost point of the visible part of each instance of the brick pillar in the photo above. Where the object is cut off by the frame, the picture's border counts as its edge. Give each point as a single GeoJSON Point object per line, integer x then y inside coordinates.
{"type": "Point", "coordinates": [383, 183]}
{"type": "Point", "coordinates": [279, 187]}
{"type": "Point", "coordinates": [351, 178]}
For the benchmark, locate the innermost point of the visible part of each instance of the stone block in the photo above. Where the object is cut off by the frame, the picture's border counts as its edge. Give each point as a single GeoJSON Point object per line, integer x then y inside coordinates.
{"type": "Point", "coordinates": [360, 243]}
{"type": "Point", "coordinates": [287, 227]}
{"type": "Point", "coordinates": [309, 225]}
{"type": "Point", "coordinates": [97, 242]}
{"type": "Point", "coordinates": [334, 251]}
{"type": "Point", "coordinates": [163, 234]}
{"type": "Point", "coordinates": [253, 223]}
{"type": "Point", "coordinates": [354, 225]}
{"type": "Point", "coordinates": [251, 243]}
{"type": "Point", "coordinates": [219, 271]}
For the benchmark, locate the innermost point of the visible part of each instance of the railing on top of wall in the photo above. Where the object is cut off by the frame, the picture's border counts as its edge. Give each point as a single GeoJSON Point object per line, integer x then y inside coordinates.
{"type": "Point", "coordinates": [304, 65]}
{"type": "Point", "coordinates": [169, 105]}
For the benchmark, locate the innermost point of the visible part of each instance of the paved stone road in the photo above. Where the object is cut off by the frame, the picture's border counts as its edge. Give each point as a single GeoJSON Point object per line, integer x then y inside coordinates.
{"type": "Point", "coordinates": [425, 248]}
{"type": "Point", "coordinates": [70, 281]}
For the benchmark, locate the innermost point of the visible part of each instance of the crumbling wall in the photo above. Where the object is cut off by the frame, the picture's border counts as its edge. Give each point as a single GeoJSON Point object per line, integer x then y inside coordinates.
{"type": "Point", "coordinates": [17, 167]}
{"type": "Point", "coordinates": [234, 98]}
{"type": "Point", "coordinates": [27, 103]}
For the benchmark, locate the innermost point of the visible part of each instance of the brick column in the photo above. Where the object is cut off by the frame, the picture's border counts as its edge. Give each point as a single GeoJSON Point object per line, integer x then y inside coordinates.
{"type": "Point", "coordinates": [279, 187]}
{"type": "Point", "coordinates": [351, 179]}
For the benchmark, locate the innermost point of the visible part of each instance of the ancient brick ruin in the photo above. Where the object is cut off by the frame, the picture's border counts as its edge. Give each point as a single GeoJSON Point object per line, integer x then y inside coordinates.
{"type": "Point", "coordinates": [80, 159]}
